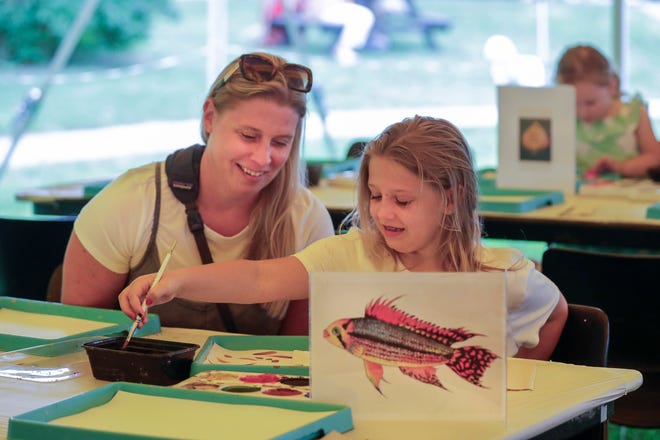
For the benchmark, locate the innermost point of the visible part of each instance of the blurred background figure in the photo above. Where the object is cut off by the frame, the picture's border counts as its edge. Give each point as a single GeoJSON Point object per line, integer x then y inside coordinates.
{"type": "Point", "coordinates": [508, 67]}
{"type": "Point", "coordinates": [354, 20]}
{"type": "Point", "coordinates": [614, 130]}
{"type": "Point", "coordinates": [357, 21]}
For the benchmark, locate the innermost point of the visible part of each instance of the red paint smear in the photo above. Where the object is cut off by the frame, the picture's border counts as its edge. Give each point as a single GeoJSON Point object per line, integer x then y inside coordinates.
{"type": "Point", "coordinates": [261, 378]}
{"type": "Point", "coordinates": [264, 353]}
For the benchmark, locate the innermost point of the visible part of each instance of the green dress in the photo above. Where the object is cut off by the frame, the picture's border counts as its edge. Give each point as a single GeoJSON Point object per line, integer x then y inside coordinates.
{"type": "Point", "coordinates": [613, 136]}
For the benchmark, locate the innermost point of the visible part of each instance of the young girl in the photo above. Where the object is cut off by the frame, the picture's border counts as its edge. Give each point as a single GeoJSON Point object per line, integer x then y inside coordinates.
{"type": "Point", "coordinates": [417, 211]}
{"type": "Point", "coordinates": [613, 134]}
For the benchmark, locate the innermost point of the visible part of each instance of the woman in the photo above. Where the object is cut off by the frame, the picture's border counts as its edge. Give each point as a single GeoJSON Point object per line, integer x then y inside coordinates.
{"type": "Point", "coordinates": [251, 198]}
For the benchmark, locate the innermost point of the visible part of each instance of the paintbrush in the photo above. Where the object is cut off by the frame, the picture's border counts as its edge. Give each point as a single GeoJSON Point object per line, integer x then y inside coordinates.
{"type": "Point", "coordinates": [159, 275]}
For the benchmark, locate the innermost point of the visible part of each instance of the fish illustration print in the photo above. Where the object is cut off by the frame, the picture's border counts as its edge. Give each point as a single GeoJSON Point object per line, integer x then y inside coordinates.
{"type": "Point", "coordinates": [388, 336]}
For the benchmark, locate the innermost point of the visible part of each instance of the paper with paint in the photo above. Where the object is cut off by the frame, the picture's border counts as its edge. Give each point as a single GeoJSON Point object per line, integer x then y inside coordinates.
{"type": "Point", "coordinates": [536, 138]}
{"type": "Point", "coordinates": [253, 384]}
{"type": "Point", "coordinates": [283, 358]}
{"type": "Point", "coordinates": [410, 345]}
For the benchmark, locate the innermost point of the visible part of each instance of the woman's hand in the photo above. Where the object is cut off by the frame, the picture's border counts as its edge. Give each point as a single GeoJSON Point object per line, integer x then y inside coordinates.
{"type": "Point", "coordinates": [130, 299]}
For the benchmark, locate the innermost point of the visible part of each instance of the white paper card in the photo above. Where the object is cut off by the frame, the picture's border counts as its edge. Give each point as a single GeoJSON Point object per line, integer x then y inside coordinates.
{"type": "Point", "coordinates": [536, 146]}
{"type": "Point", "coordinates": [420, 333]}
{"type": "Point", "coordinates": [38, 325]}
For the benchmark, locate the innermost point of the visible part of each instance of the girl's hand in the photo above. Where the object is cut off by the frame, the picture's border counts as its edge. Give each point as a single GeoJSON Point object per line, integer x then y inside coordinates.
{"type": "Point", "coordinates": [605, 165]}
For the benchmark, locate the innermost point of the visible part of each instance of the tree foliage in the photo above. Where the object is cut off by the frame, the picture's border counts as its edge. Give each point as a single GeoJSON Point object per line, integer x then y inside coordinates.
{"type": "Point", "coordinates": [31, 30]}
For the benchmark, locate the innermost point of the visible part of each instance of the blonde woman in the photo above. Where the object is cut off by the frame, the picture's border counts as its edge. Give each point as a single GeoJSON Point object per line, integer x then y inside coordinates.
{"type": "Point", "coordinates": [252, 201]}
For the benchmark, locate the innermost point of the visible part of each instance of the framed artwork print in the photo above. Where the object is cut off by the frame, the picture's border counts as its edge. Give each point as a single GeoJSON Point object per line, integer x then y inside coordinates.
{"type": "Point", "coordinates": [536, 138]}
{"type": "Point", "coordinates": [409, 345]}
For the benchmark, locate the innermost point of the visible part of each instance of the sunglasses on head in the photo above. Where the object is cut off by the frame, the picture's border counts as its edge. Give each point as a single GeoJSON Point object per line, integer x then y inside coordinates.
{"type": "Point", "coordinates": [259, 69]}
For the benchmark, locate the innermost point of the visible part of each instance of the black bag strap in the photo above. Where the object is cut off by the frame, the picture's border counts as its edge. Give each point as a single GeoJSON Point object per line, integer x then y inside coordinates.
{"type": "Point", "coordinates": [182, 169]}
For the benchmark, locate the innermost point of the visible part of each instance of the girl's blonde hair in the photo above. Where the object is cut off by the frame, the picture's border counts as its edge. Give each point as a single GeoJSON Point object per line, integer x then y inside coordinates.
{"type": "Point", "coordinates": [585, 63]}
{"type": "Point", "coordinates": [436, 151]}
{"type": "Point", "coordinates": [271, 230]}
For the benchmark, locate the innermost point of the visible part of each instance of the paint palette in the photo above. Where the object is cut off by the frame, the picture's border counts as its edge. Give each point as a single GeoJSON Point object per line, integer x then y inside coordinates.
{"type": "Point", "coordinates": [492, 198]}
{"type": "Point", "coordinates": [253, 384]}
{"type": "Point", "coordinates": [288, 355]}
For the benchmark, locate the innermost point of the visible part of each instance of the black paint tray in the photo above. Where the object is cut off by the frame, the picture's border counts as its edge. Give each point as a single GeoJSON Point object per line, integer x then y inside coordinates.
{"type": "Point", "coordinates": [148, 361]}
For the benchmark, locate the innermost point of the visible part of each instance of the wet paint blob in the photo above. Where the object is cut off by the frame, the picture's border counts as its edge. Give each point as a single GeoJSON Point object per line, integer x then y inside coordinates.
{"type": "Point", "coordinates": [241, 389]}
{"type": "Point", "coordinates": [295, 381]}
{"type": "Point", "coordinates": [282, 392]}
{"type": "Point", "coordinates": [260, 378]}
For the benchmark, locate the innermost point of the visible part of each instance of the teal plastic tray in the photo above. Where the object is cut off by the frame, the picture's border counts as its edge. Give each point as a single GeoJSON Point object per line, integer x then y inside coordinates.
{"type": "Point", "coordinates": [653, 211]}
{"type": "Point", "coordinates": [118, 322]}
{"type": "Point", "coordinates": [35, 424]}
{"type": "Point", "coordinates": [517, 201]}
{"type": "Point", "coordinates": [492, 198]}
{"type": "Point", "coordinates": [285, 343]}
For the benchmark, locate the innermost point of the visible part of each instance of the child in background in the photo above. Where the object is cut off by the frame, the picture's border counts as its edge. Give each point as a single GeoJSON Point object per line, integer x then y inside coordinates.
{"type": "Point", "coordinates": [417, 212]}
{"type": "Point", "coordinates": [614, 134]}
{"type": "Point", "coordinates": [354, 19]}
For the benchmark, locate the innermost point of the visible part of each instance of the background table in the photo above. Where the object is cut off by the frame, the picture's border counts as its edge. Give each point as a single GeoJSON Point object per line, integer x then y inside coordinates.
{"type": "Point", "coordinates": [580, 219]}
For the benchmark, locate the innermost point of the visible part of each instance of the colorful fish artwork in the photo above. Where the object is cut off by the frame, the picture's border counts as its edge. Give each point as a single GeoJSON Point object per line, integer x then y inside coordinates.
{"type": "Point", "coordinates": [388, 336]}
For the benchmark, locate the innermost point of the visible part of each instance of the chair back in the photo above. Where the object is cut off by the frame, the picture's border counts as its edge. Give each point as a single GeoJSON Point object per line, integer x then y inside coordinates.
{"type": "Point", "coordinates": [625, 286]}
{"type": "Point", "coordinates": [584, 341]}
{"type": "Point", "coordinates": [585, 337]}
{"type": "Point", "coordinates": [31, 248]}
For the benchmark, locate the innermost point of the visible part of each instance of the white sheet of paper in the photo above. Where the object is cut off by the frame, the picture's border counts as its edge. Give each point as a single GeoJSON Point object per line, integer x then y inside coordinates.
{"type": "Point", "coordinates": [472, 301]}
{"type": "Point", "coordinates": [549, 110]}
{"type": "Point", "coordinates": [131, 413]}
{"type": "Point", "coordinates": [38, 325]}
{"type": "Point", "coordinates": [520, 376]}
{"type": "Point", "coordinates": [219, 355]}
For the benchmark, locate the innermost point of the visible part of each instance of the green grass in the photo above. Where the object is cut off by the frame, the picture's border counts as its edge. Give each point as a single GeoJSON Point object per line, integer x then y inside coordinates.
{"type": "Point", "coordinates": [617, 432]}
{"type": "Point", "coordinates": [409, 75]}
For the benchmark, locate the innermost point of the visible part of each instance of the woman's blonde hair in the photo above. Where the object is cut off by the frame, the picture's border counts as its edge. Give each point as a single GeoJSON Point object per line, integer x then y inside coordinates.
{"type": "Point", "coordinates": [436, 151]}
{"type": "Point", "coordinates": [271, 230]}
